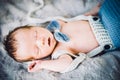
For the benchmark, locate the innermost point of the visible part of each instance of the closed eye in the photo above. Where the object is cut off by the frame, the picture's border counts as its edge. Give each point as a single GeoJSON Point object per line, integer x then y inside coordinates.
{"type": "Point", "coordinates": [35, 35]}
{"type": "Point", "coordinates": [36, 48]}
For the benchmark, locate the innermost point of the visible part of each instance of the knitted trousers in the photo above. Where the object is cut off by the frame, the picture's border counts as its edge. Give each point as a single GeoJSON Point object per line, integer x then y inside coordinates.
{"type": "Point", "coordinates": [110, 16]}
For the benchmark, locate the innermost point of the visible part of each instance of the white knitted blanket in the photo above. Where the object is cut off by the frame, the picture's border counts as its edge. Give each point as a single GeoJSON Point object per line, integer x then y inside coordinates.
{"type": "Point", "coordinates": [15, 13]}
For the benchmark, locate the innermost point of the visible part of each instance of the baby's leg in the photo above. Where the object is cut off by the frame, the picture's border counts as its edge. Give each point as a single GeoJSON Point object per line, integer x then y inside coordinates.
{"type": "Point", "coordinates": [110, 16]}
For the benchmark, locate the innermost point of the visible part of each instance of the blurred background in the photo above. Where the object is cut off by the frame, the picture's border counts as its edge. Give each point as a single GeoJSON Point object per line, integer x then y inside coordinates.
{"type": "Point", "coordinates": [14, 13]}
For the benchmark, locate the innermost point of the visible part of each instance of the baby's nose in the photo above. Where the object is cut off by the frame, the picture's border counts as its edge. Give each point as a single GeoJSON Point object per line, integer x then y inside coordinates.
{"type": "Point", "coordinates": [40, 42]}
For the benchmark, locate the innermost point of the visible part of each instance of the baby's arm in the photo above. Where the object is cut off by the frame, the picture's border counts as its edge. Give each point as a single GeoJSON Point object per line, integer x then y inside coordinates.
{"type": "Point", "coordinates": [57, 65]}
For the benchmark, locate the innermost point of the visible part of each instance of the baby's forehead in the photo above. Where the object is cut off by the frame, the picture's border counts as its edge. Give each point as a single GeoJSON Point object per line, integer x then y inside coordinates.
{"type": "Point", "coordinates": [19, 34]}
{"type": "Point", "coordinates": [21, 30]}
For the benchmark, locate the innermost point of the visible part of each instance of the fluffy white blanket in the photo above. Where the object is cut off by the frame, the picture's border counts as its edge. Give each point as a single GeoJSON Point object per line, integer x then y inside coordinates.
{"type": "Point", "coordinates": [15, 13]}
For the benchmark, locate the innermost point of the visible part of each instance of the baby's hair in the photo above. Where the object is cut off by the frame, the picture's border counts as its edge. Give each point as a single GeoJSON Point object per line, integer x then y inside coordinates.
{"type": "Point", "coordinates": [10, 44]}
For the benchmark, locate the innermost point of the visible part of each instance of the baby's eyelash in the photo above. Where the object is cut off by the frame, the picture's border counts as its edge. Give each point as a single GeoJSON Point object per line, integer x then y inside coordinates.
{"type": "Point", "coordinates": [35, 34]}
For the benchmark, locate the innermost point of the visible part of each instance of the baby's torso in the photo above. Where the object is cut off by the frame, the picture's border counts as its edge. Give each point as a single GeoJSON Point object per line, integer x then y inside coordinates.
{"type": "Point", "coordinates": [81, 37]}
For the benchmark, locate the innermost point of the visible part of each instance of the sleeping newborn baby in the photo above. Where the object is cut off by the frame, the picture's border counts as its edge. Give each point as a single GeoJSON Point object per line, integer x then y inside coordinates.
{"type": "Point", "coordinates": [67, 42]}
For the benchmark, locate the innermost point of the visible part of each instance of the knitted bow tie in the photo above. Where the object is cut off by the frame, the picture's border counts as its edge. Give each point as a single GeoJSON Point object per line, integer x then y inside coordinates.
{"type": "Point", "coordinates": [54, 27]}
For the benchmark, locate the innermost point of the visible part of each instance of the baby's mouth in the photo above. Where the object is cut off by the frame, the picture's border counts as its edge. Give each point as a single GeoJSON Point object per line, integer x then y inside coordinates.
{"type": "Point", "coordinates": [49, 41]}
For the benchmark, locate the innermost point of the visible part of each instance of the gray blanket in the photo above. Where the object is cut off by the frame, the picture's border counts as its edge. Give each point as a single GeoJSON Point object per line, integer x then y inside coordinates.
{"type": "Point", "coordinates": [15, 13]}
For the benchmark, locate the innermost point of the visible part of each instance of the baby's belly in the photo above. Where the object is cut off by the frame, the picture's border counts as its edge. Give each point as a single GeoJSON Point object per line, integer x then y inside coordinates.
{"type": "Point", "coordinates": [84, 45]}
{"type": "Point", "coordinates": [84, 40]}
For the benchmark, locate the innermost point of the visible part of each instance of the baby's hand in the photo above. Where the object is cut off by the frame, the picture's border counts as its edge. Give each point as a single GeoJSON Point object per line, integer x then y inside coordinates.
{"type": "Point", "coordinates": [34, 66]}
{"type": "Point", "coordinates": [94, 11]}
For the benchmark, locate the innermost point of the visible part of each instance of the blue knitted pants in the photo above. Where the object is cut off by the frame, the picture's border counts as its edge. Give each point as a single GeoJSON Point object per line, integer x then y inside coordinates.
{"type": "Point", "coordinates": [110, 17]}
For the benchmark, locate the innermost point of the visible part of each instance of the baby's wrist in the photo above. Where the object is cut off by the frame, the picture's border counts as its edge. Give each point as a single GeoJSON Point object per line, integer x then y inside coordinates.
{"type": "Point", "coordinates": [42, 65]}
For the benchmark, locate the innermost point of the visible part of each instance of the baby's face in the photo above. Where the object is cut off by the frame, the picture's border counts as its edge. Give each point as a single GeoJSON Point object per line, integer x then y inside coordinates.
{"type": "Point", "coordinates": [34, 43]}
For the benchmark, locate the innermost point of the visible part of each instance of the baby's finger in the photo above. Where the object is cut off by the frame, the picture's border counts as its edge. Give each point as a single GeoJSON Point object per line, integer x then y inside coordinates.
{"type": "Point", "coordinates": [32, 65]}
{"type": "Point", "coordinates": [35, 66]}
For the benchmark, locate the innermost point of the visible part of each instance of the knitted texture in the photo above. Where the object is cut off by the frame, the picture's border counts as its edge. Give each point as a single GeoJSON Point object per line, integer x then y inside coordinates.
{"type": "Point", "coordinates": [101, 35]}
{"type": "Point", "coordinates": [110, 17]}
{"type": "Point", "coordinates": [99, 31]}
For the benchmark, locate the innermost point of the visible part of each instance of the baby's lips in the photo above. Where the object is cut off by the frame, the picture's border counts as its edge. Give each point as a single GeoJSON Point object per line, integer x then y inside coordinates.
{"type": "Point", "coordinates": [49, 41]}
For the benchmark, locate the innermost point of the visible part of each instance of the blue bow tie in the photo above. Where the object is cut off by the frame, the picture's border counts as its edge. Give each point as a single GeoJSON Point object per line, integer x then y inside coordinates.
{"type": "Point", "coordinates": [54, 27]}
